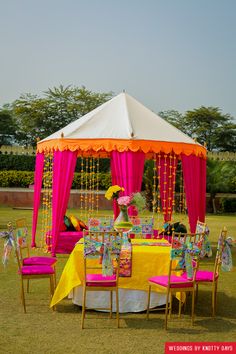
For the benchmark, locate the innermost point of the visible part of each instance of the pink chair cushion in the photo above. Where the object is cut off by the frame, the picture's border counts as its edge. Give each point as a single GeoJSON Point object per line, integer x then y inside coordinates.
{"type": "Point", "coordinates": [39, 261]}
{"type": "Point", "coordinates": [36, 270]}
{"type": "Point", "coordinates": [204, 276]}
{"type": "Point", "coordinates": [100, 280]}
{"type": "Point", "coordinates": [163, 281]}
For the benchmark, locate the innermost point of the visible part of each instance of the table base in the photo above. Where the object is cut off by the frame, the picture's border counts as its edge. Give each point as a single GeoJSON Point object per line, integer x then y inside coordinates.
{"type": "Point", "coordinates": [129, 300]}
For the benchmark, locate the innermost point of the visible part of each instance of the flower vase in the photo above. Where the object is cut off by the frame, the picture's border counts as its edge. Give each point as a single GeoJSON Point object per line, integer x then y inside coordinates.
{"type": "Point", "coordinates": [122, 223]}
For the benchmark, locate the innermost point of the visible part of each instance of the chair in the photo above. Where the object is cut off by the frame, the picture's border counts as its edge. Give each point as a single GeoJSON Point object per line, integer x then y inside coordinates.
{"type": "Point", "coordinates": [206, 277]}
{"type": "Point", "coordinates": [196, 237]}
{"type": "Point", "coordinates": [105, 246]}
{"type": "Point", "coordinates": [142, 227]}
{"type": "Point", "coordinates": [21, 234]}
{"type": "Point", "coordinates": [181, 255]}
{"type": "Point", "coordinates": [21, 239]}
{"type": "Point", "coordinates": [101, 223]}
{"type": "Point", "coordinates": [28, 272]}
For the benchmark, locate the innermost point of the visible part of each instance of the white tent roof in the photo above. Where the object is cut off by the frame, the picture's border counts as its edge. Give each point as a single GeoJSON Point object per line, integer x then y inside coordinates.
{"type": "Point", "coordinates": [122, 117]}
{"type": "Point", "coordinates": [121, 124]}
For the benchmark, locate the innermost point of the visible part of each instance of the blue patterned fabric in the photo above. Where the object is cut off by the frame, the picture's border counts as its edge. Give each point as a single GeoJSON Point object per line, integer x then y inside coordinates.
{"type": "Point", "coordinates": [143, 225]}
{"type": "Point", "coordinates": [103, 223]}
{"type": "Point", "coordinates": [185, 253]}
{"type": "Point", "coordinates": [9, 243]}
{"type": "Point", "coordinates": [227, 262]}
{"type": "Point", "coordinates": [105, 251]}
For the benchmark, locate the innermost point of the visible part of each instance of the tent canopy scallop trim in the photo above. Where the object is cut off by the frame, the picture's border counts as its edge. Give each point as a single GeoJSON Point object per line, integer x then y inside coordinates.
{"type": "Point", "coordinates": [103, 147]}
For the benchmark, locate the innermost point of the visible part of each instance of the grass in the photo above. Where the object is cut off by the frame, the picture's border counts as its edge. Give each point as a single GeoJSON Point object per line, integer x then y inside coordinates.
{"type": "Point", "coordinates": [41, 330]}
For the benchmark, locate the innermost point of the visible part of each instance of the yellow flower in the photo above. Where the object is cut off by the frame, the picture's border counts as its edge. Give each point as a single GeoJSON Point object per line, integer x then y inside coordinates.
{"type": "Point", "coordinates": [112, 192]}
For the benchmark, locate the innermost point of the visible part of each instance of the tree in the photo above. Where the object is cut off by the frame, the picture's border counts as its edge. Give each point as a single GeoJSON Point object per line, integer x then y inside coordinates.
{"type": "Point", "coordinates": [42, 116]}
{"type": "Point", "coordinates": [220, 179]}
{"type": "Point", "coordinates": [208, 125]}
{"type": "Point", "coordinates": [7, 127]}
{"type": "Point", "coordinates": [175, 118]}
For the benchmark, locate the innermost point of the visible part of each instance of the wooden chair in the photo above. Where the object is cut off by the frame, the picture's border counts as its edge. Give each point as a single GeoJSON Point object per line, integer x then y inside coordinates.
{"type": "Point", "coordinates": [101, 223]}
{"type": "Point", "coordinates": [188, 237]}
{"type": "Point", "coordinates": [142, 227]}
{"type": "Point", "coordinates": [101, 245]}
{"type": "Point", "coordinates": [173, 282]}
{"type": "Point", "coordinates": [210, 278]}
{"type": "Point", "coordinates": [22, 243]}
{"type": "Point", "coordinates": [28, 272]}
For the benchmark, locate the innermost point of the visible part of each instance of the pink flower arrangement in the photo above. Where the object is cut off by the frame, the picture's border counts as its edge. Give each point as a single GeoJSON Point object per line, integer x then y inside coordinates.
{"type": "Point", "coordinates": [125, 200]}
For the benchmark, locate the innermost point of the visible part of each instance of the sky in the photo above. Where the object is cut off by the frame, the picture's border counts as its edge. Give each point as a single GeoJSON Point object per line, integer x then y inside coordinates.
{"type": "Point", "coordinates": [168, 54]}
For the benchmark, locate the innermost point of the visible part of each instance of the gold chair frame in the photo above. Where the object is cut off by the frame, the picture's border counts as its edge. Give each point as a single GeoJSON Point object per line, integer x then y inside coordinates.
{"type": "Point", "coordinates": [100, 235]}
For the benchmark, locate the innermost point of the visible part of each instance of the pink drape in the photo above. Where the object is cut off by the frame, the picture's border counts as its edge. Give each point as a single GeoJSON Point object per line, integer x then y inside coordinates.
{"type": "Point", "coordinates": [127, 171]}
{"type": "Point", "coordinates": [194, 173]}
{"type": "Point", "coordinates": [63, 171]}
{"type": "Point", "coordinates": [202, 198]}
{"type": "Point", "coordinates": [167, 173]}
{"type": "Point", "coordinates": [38, 176]}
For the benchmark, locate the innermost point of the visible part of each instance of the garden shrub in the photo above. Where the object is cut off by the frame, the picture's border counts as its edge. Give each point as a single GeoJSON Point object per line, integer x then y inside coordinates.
{"type": "Point", "coordinates": [104, 180]}
{"type": "Point", "coordinates": [17, 162]}
{"type": "Point", "coordinates": [11, 162]}
{"type": "Point", "coordinates": [228, 205]}
{"type": "Point", "coordinates": [22, 179]}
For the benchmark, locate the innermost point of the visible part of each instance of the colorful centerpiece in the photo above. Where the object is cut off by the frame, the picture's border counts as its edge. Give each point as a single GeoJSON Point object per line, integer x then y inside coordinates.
{"type": "Point", "coordinates": [122, 222]}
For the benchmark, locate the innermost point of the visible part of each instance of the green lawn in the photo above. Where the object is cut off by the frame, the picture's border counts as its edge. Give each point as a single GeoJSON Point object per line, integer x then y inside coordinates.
{"type": "Point", "coordinates": [42, 330]}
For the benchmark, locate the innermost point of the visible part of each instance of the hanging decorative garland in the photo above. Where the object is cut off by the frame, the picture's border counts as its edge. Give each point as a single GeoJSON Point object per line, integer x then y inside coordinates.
{"type": "Point", "coordinates": [164, 204]}
{"type": "Point", "coordinates": [82, 188]}
{"type": "Point", "coordinates": [174, 183]}
{"type": "Point", "coordinates": [45, 242]}
{"type": "Point", "coordinates": [97, 185]}
{"type": "Point", "coordinates": [154, 190]}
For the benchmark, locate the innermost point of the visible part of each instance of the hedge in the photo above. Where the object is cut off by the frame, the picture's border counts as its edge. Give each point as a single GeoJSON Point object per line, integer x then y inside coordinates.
{"type": "Point", "coordinates": [17, 162]}
{"type": "Point", "coordinates": [228, 205]}
{"type": "Point", "coordinates": [27, 163]}
{"type": "Point", "coordinates": [22, 179]}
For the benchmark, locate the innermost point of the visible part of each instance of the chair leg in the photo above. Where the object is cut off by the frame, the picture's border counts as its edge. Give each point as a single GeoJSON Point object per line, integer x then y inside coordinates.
{"type": "Point", "coordinates": [23, 295]}
{"type": "Point", "coordinates": [148, 302]}
{"type": "Point", "coordinates": [180, 305]}
{"type": "Point", "coordinates": [55, 278]}
{"type": "Point", "coordinates": [111, 304]}
{"type": "Point", "coordinates": [196, 292]}
{"type": "Point", "coordinates": [193, 306]}
{"type": "Point", "coordinates": [170, 307]}
{"type": "Point", "coordinates": [117, 308]}
{"type": "Point", "coordinates": [83, 308]}
{"type": "Point", "coordinates": [52, 288]}
{"type": "Point", "coordinates": [167, 308]}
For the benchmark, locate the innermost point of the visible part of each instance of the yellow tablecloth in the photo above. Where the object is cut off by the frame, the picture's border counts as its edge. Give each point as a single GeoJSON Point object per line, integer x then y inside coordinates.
{"type": "Point", "coordinates": [147, 261]}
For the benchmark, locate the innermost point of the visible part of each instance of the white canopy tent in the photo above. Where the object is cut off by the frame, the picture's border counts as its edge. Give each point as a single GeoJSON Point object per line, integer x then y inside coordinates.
{"type": "Point", "coordinates": [125, 130]}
